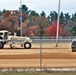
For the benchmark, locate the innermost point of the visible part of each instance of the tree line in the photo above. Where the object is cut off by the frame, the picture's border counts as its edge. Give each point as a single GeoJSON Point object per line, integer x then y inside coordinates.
{"type": "Point", "coordinates": [35, 24]}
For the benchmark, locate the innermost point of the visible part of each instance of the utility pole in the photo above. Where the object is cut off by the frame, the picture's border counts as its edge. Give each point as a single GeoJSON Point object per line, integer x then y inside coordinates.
{"type": "Point", "coordinates": [21, 17]}
{"type": "Point", "coordinates": [40, 53]}
{"type": "Point", "coordinates": [58, 24]}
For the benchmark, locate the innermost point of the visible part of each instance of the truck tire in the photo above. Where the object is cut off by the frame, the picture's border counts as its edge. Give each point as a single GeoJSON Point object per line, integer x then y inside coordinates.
{"type": "Point", "coordinates": [1, 45]}
{"type": "Point", "coordinates": [27, 45]}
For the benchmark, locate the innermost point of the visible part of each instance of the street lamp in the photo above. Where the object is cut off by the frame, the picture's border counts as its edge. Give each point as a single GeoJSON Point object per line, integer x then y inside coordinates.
{"type": "Point", "coordinates": [58, 24]}
{"type": "Point", "coordinates": [21, 16]}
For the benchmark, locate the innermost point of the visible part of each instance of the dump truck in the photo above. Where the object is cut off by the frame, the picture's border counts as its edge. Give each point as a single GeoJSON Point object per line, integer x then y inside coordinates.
{"type": "Point", "coordinates": [13, 41]}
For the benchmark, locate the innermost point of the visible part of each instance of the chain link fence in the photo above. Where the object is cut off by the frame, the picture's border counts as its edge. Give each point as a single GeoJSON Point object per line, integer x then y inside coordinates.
{"type": "Point", "coordinates": [52, 39]}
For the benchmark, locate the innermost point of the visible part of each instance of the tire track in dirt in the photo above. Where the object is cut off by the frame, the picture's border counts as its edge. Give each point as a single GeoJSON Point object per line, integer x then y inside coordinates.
{"type": "Point", "coordinates": [37, 56]}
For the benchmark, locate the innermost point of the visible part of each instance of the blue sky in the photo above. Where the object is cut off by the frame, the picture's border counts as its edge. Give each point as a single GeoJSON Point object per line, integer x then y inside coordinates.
{"type": "Point", "coordinates": [67, 6]}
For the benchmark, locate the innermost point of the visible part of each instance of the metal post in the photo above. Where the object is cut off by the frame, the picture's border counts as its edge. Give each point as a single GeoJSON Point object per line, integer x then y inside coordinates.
{"type": "Point", "coordinates": [21, 16]}
{"type": "Point", "coordinates": [40, 53]}
{"type": "Point", "coordinates": [58, 25]}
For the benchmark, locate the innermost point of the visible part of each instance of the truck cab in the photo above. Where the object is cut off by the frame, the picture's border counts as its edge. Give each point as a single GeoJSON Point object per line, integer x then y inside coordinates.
{"type": "Point", "coordinates": [3, 38]}
{"type": "Point", "coordinates": [73, 45]}
{"type": "Point", "coordinates": [4, 35]}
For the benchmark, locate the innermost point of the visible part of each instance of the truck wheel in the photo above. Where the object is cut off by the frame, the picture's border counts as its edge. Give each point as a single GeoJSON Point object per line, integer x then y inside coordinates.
{"type": "Point", "coordinates": [1, 45]}
{"type": "Point", "coordinates": [27, 45]}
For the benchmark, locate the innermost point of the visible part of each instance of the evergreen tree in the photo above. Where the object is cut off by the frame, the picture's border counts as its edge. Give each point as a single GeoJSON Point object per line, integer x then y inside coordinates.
{"type": "Point", "coordinates": [43, 14]}
{"type": "Point", "coordinates": [53, 16]}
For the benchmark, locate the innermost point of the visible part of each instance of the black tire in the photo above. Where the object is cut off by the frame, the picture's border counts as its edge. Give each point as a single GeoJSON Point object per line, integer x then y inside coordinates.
{"type": "Point", "coordinates": [1, 45]}
{"type": "Point", "coordinates": [27, 43]}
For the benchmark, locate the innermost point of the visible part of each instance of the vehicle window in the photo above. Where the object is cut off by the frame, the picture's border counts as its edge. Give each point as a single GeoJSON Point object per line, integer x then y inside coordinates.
{"type": "Point", "coordinates": [1, 33]}
{"type": "Point", "coordinates": [74, 43]}
{"type": "Point", "coordinates": [6, 35]}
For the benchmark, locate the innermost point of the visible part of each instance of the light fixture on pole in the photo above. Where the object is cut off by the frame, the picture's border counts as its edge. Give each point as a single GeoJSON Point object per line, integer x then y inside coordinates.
{"type": "Point", "coordinates": [21, 17]}
{"type": "Point", "coordinates": [57, 34]}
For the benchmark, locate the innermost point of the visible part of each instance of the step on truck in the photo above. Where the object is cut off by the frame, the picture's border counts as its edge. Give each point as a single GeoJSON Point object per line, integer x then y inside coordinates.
{"type": "Point", "coordinates": [14, 41]}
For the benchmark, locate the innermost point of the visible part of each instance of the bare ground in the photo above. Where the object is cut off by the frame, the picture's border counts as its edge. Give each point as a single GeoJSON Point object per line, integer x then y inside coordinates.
{"type": "Point", "coordinates": [61, 56]}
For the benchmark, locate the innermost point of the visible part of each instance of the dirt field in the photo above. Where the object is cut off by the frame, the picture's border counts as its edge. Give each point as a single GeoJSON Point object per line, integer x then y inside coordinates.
{"type": "Point", "coordinates": [61, 56]}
